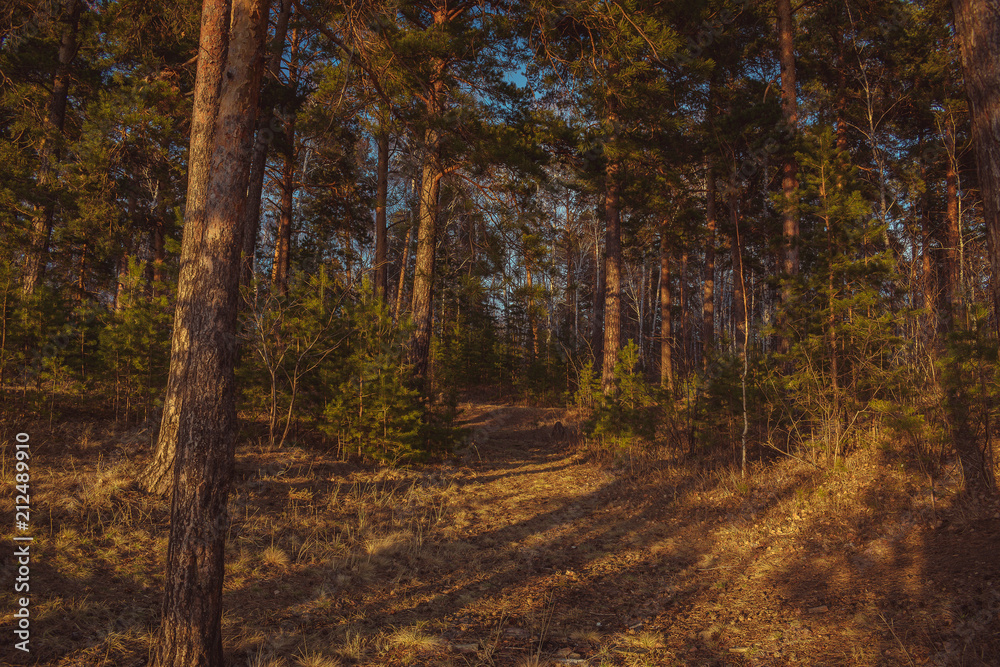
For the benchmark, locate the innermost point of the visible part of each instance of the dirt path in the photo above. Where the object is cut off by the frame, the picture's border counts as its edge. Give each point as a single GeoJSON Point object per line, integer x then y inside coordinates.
{"type": "Point", "coordinates": [523, 552]}
{"type": "Point", "coordinates": [549, 555]}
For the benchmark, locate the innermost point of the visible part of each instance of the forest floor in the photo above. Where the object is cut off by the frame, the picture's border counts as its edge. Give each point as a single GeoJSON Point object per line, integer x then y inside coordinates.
{"type": "Point", "coordinates": [527, 549]}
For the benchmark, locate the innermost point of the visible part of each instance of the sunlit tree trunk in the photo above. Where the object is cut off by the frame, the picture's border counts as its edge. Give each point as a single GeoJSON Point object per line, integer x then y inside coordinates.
{"type": "Point", "coordinates": [55, 119]}
{"type": "Point", "coordinates": [423, 274]}
{"type": "Point", "coordinates": [200, 418]}
{"type": "Point", "coordinates": [708, 281]}
{"type": "Point", "coordinates": [666, 335]}
{"type": "Point", "coordinates": [613, 278]}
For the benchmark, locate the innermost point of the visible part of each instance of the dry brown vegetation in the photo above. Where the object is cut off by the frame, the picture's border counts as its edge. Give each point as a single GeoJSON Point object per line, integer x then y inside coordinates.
{"type": "Point", "coordinates": [523, 550]}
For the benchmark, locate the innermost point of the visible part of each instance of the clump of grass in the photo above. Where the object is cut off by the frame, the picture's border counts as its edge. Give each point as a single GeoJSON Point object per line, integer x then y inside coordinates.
{"type": "Point", "coordinates": [413, 638]}
{"type": "Point", "coordinates": [353, 647]}
{"type": "Point", "coordinates": [647, 641]}
{"type": "Point", "coordinates": [315, 659]}
{"type": "Point", "coordinates": [275, 557]}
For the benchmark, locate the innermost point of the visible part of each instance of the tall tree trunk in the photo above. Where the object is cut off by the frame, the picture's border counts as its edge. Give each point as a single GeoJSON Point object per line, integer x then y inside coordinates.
{"type": "Point", "coordinates": [952, 288]}
{"type": "Point", "coordinates": [842, 69]}
{"type": "Point", "coordinates": [977, 24]}
{"type": "Point", "coordinates": [685, 344]}
{"type": "Point", "coordinates": [158, 477]}
{"type": "Point", "coordinates": [789, 108]}
{"type": "Point", "coordinates": [200, 417]}
{"type": "Point", "coordinates": [600, 274]}
{"type": "Point", "coordinates": [666, 335]}
{"type": "Point", "coordinates": [55, 120]}
{"type": "Point", "coordinates": [613, 278]}
{"type": "Point", "coordinates": [708, 282]}
{"type": "Point", "coordinates": [739, 276]}
{"type": "Point", "coordinates": [530, 311]}
{"type": "Point", "coordinates": [283, 239]}
{"type": "Point", "coordinates": [381, 194]}
{"type": "Point", "coordinates": [423, 275]}
{"type": "Point", "coordinates": [403, 263]}
{"type": "Point", "coordinates": [267, 125]}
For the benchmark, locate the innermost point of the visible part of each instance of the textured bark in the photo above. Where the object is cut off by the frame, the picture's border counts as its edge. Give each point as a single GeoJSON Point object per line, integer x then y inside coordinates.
{"type": "Point", "coordinates": [613, 277]}
{"type": "Point", "coordinates": [423, 274]}
{"type": "Point", "coordinates": [203, 348]}
{"type": "Point", "coordinates": [55, 120]}
{"type": "Point", "coordinates": [708, 277]}
{"type": "Point", "coordinates": [977, 24]}
{"type": "Point", "coordinates": [382, 190]}
{"type": "Point", "coordinates": [158, 477]}
{"type": "Point", "coordinates": [666, 335]}
{"type": "Point", "coordinates": [265, 133]}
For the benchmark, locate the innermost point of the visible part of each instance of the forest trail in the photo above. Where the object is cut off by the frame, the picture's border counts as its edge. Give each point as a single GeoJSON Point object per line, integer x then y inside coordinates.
{"type": "Point", "coordinates": [549, 557]}
{"type": "Point", "coordinates": [525, 550]}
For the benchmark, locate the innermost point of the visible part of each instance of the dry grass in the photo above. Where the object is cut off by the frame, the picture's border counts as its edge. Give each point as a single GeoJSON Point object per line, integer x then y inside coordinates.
{"type": "Point", "coordinates": [315, 659]}
{"type": "Point", "coordinates": [352, 647]}
{"type": "Point", "coordinates": [275, 557]}
{"type": "Point", "coordinates": [413, 639]}
{"type": "Point", "coordinates": [518, 559]}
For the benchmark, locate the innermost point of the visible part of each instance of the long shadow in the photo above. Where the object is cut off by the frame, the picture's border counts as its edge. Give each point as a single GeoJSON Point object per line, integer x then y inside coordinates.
{"type": "Point", "coordinates": [605, 578]}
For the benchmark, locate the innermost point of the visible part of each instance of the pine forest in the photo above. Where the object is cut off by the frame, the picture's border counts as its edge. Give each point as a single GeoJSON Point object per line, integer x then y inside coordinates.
{"type": "Point", "coordinates": [500, 332]}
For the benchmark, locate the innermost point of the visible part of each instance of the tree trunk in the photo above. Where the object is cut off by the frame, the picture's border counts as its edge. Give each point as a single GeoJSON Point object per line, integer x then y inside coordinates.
{"type": "Point", "coordinates": [739, 278]}
{"type": "Point", "coordinates": [283, 239]}
{"type": "Point", "coordinates": [423, 275]}
{"type": "Point", "coordinates": [708, 282]}
{"type": "Point", "coordinates": [200, 418]}
{"type": "Point", "coordinates": [597, 329]}
{"type": "Point", "coordinates": [267, 125]}
{"type": "Point", "coordinates": [789, 108]}
{"type": "Point", "coordinates": [666, 335]}
{"type": "Point", "coordinates": [685, 344]}
{"type": "Point", "coordinates": [530, 311]}
{"type": "Point", "coordinates": [403, 263]}
{"type": "Point", "coordinates": [977, 24]}
{"type": "Point", "coordinates": [158, 476]}
{"type": "Point", "coordinates": [55, 119]}
{"type": "Point", "coordinates": [613, 278]}
{"type": "Point", "coordinates": [381, 254]}
{"type": "Point", "coordinates": [952, 289]}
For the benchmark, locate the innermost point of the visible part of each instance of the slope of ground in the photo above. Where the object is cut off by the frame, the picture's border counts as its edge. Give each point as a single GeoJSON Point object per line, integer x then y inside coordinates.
{"type": "Point", "coordinates": [521, 551]}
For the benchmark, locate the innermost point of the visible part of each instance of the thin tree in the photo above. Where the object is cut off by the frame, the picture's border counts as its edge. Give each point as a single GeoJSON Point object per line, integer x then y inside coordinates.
{"type": "Point", "coordinates": [55, 119]}
{"type": "Point", "coordinates": [789, 108]}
